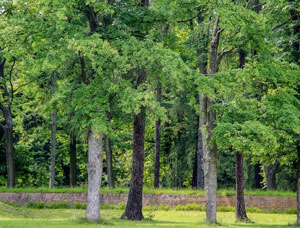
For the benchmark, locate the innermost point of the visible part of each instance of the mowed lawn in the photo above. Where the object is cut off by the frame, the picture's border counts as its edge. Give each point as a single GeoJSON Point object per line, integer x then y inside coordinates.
{"type": "Point", "coordinates": [44, 218]}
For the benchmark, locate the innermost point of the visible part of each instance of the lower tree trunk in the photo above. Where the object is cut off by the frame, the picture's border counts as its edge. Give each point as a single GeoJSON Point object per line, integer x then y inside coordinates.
{"type": "Point", "coordinates": [9, 151]}
{"type": "Point", "coordinates": [133, 209]}
{"type": "Point", "coordinates": [298, 185]}
{"type": "Point", "coordinates": [73, 160]}
{"type": "Point", "coordinates": [94, 168]}
{"type": "Point", "coordinates": [157, 155]}
{"type": "Point", "coordinates": [201, 120]}
{"type": "Point", "coordinates": [270, 172]}
{"type": "Point", "coordinates": [110, 175]}
{"type": "Point", "coordinates": [53, 150]}
{"type": "Point", "coordinates": [53, 138]}
{"type": "Point", "coordinates": [240, 210]}
{"type": "Point", "coordinates": [210, 167]}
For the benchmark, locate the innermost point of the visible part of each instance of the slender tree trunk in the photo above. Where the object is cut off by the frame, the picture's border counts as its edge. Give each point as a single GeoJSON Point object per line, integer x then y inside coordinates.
{"type": "Point", "coordinates": [73, 160]}
{"type": "Point", "coordinates": [53, 138]}
{"type": "Point", "coordinates": [111, 183]}
{"type": "Point", "coordinates": [9, 149]}
{"type": "Point", "coordinates": [94, 168]}
{"type": "Point", "coordinates": [210, 149]}
{"type": "Point", "coordinates": [157, 143]}
{"type": "Point", "coordinates": [270, 172]}
{"type": "Point", "coordinates": [240, 210]}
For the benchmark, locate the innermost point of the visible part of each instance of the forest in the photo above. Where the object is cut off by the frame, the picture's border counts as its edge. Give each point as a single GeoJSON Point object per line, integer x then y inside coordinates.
{"type": "Point", "coordinates": [173, 94]}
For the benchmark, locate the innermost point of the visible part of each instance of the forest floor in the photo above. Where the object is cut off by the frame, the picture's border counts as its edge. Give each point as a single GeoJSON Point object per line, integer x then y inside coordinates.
{"type": "Point", "coordinates": [21, 217]}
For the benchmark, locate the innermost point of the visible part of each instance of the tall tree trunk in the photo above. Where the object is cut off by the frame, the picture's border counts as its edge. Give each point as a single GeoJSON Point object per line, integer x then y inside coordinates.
{"type": "Point", "coordinates": [9, 149]}
{"type": "Point", "coordinates": [240, 209]}
{"type": "Point", "coordinates": [53, 138]}
{"type": "Point", "coordinates": [134, 204]}
{"type": "Point", "coordinates": [270, 172]}
{"type": "Point", "coordinates": [94, 168]}
{"type": "Point", "coordinates": [73, 160]}
{"type": "Point", "coordinates": [108, 150]}
{"type": "Point", "coordinates": [133, 209]}
{"type": "Point", "coordinates": [157, 143]}
{"type": "Point", "coordinates": [210, 149]}
{"type": "Point", "coordinates": [8, 128]}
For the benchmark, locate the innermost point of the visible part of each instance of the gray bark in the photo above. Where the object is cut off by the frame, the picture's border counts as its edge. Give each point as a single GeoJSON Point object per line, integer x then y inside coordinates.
{"type": "Point", "coordinates": [108, 150]}
{"type": "Point", "coordinates": [53, 138]}
{"type": "Point", "coordinates": [94, 168]}
{"type": "Point", "coordinates": [210, 149]}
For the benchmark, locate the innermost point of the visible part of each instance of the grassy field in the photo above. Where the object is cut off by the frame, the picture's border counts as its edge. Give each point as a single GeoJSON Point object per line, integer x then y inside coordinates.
{"type": "Point", "coordinates": [20, 217]}
{"type": "Point", "coordinates": [148, 190]}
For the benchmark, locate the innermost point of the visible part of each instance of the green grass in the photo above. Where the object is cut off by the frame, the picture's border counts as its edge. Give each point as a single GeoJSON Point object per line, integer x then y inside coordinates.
{"type": "Point", "coordinates": [147, 191]}
{"type": "Point", "coordinates": [67, 218]}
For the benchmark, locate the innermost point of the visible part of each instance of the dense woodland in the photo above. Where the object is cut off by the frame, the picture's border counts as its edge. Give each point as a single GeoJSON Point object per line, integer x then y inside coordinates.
{"type": "Point", "coordinates": [165, 93]}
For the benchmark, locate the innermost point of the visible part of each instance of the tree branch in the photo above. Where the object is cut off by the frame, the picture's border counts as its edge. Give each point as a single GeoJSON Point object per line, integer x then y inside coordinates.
{"type": "Point", "coordinates": [223, 53]}
{"type": "Point", "coordinates": [10, 82]}
{"type": "Point", "coordinates": [282, 24]}
{"type": "Point", "coordinates": [190, 19]}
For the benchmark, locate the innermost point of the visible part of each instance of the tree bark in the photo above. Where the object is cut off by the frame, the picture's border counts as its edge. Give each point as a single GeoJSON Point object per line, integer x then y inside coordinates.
{"type": "Point", "coordinates": [73, 161]}
{"type": "Point", "coordinates": [157, 143]}
{"type": "Point", "coordinates": [53, 138]}
{"type": "Point", "coordinates": [9, 149]}
{"type": "Point", "coordinates": [111, 183]}
{"type": "Point", "coordinates": [94, 168]}
{"type": "Point", "coordinates": [240, 210]}
{"type": "Point", "coordinates": [134, 204]}
{"type": "Point", "coordinates": [270, 172]}
{"type": "Point", "coordinates": [210, 149]}
{"type": "Point", "coordinates": [8, 128]}
{"type": "Point", "coordinates": [133, 209]}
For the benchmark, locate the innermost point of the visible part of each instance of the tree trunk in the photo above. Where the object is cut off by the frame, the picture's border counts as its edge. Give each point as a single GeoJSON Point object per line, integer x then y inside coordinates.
{"type": "Point", "coordinates": [111, 183]}
{"type": "Point", "coordinates": [201, 122]}
{"type": "Point", "coordinates": [298, 184]}
{"type": "Point", "coordinates": [94, 168]}
{"type": "Point", "coordinates": [133, 209]}
{"type": "Point", "coordinates": [257, 177]}
{"type": "Point", "coordinates": [270, 172]}
{"type": "Point", "coordinates": [8, 128]}
{"type": "Point", "coordinates": [240, 210]}
{"type": "Point", "coordinates": [9, 149]}
{"type": "Point", "coordinates": [53, 138]}
{"type": "Point", "coordinates": [157, 143]}
{"type": "Point", "coordinates": [210, 149]}
{"type": "Point", "coordinates": [134, 204]}
{"type": "Point", "coordinates": [73, 160]}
